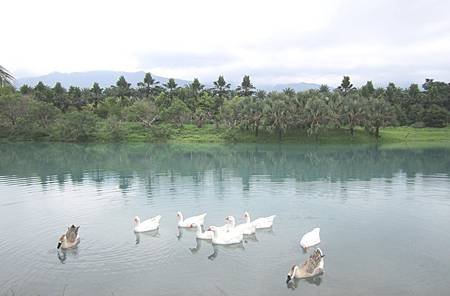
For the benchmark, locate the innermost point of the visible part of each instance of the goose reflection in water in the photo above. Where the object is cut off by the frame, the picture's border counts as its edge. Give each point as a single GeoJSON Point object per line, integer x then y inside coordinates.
{"type": "Point", "coordinates": [217, 248]}
{"type": "Point", "coordinates": [199, 245]}
{"type": "Point", "coordinates": [317, 280]}
{"type": "Point", "coordinates": [143, 235]}
{"type": "Point", "coordinates": [181, 231]}
{"type": "Point", "coordinates": [62, 254]}
{"type": "Point", "coordinates": [250, 238]}
{"type": "Point", "coordinates": [268, 231]}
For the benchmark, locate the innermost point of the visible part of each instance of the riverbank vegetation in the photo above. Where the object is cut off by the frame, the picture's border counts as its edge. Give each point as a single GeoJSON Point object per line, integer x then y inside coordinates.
{"type": "Point", "coordinates": [153, 112]}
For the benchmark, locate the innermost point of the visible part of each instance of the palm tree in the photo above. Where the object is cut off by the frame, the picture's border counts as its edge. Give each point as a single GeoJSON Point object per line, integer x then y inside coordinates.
{"type": "Point", "coordinates": [6, 78]}
{"type": "Point", "coordinates": [290, 92]}
{"type": "Point", "coordinates": [149, 86]}
{"type": "Point", "coordinates": [221, 87]}
{"type": "Point", "coordinates": [220, 91]}
{"type": "Point", "coordinates": [278, 113]}
{"type": "Point", "coordinates": [170, 86]}
{"type": "Point", "coordinates": [246, 89]}
{"type": "Point", "coordinates": [196, 87]}
{"type": "Point", "coordinates": [346, 86]}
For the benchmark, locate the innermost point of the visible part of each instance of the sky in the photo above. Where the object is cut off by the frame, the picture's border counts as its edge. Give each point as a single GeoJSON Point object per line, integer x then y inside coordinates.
{"type": "Point", "coordinates": [276, 41]}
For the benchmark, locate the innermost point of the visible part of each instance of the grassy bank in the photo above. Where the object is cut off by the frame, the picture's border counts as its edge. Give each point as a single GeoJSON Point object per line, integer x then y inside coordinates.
{"type": "Point", "coordinates": [189, 133]}
{"type": "Point", "coordinates": [397, 135]}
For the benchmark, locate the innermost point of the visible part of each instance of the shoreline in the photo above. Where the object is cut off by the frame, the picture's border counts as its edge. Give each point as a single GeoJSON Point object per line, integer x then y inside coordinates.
{"type": "Point", "coordinates": [208, 134]}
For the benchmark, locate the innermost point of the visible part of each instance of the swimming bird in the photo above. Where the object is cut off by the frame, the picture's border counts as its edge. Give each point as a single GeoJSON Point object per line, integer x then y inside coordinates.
{"type": "Point", "coordinates": [226, 227]}
{"type": "Point", "coordinates": [225, 237]}
{"type": "Point", "coordinates": [245, 228]}
{"type": "Point", "coordinates": [147, 225]}
{"type": "Point", "coordinates": [207, 235]}
{"type": "Point", "coordinates": [312, 267]}
{"type": "Point", "coordinates": [310, 239]}
{"type": "Point", "coordinates": [199, 220]}
{"type": "Point", "coordinates": [70, 239]}
{"type": "Point", "coordinates": [260, 223]}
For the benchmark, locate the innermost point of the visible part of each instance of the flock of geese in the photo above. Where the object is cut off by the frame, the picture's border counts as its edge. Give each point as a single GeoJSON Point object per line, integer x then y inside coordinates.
{"type": "Point", "coordinates": [227, 234]}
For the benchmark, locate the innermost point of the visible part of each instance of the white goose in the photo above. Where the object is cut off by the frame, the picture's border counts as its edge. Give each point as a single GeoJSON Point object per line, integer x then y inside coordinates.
{"type": "Point", "coordinates": [226, 227]}
{"type": "Point", "coordinates": [147, 225]}
{"type": "Point", "coordinates": [310, 239]}
{"type": "Point", "coordinates": [310, 268]}
{"type": "Point", "coordinates": [70, 239]}
{"type": "Point", "coordinates": [226, 237]}
{"type": "Point", "coordinates": [260, 223]}
{"type": "Point", "coordinates": [207, 235]}
{"type": "Point", "coordinates": [245, 228]}
{"type": "Point", "coordinates": [199, 220]}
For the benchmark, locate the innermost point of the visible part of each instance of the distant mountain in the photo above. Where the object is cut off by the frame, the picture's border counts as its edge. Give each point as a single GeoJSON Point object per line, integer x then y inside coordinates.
{"type": "Point", "coordinates": [108, 78]}
{"type": "Point", "coordinates": [301, 86]}
{"type": "Point", "coordinates": [86, 79]}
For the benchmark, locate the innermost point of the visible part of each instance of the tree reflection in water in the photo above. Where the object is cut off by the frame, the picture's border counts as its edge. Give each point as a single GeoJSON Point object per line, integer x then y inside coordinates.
{"type": "Point", "coordinates": [131, 164]}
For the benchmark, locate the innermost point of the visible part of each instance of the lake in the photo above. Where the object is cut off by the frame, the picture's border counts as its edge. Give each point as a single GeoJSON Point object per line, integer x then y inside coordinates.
{"type": "Point", "coordinates": [384, 216]}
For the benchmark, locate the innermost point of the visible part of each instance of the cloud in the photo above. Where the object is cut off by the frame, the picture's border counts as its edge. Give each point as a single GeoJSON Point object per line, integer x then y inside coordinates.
{"type": "Point", "coordinates": [273, 41]}
{"type": "Point", "coordinates": [174, 59]}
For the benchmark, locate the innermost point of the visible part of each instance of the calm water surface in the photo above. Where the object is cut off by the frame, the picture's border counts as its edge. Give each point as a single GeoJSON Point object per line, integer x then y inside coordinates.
{"type": "Point", "coordinates": [384, 215]}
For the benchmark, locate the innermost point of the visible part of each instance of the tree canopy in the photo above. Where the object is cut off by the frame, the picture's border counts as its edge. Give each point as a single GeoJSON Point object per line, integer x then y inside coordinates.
{"type": "Point", "coordinates": [113, 113]}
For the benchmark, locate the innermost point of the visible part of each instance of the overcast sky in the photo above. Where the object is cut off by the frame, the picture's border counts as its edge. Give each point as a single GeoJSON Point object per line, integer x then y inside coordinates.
{"type": "Point", "coordinates": [273, 41]}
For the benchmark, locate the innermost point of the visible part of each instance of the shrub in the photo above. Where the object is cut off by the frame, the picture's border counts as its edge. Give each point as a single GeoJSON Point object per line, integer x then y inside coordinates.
{"type": "Point", "coordinates": [111, 129]}
{"type": "Point", "coordinates": [418, 124]}
{"type": "Point", "coordinates": [109, 107]}
{"type": "Point", "coordinates": [435, 116]}
{"type": "Point", "coordinates": [160, 132]}
{"type": "Point", "coordinates": [75, 126]}
{"type": "Point", "coordinates": [178, 113]}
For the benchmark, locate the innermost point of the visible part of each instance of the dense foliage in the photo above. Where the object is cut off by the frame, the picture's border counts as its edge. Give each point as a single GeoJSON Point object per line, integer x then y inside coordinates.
{"type": "Point", "coordinates": [116, 112]}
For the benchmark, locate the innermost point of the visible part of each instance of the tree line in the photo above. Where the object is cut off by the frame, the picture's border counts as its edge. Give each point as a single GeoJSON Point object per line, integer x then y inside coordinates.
{"type": "Point", "coordinates": [80, 114]}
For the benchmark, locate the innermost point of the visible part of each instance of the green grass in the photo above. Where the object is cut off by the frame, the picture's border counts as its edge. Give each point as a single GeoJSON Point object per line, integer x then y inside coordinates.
{"type": "Point", "coordinates": [409, 134]}
{"type": "Point", "coordinates": [192, 134]}
{"type": "Point", "coordinates": [189, 133]}
{"type": "Point", "coordinates": [393, 135]}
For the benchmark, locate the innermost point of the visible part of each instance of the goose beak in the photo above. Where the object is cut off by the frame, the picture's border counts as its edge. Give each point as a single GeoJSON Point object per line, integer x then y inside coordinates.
{"type": "Point", "coordinates": [288, 279]}
{"type": "Point", "coordinates": [59, 245]}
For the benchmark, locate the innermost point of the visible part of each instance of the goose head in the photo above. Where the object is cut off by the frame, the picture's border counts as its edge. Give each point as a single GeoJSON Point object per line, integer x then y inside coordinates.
{"type": "Point", "coordinates": [179, 216]}
{"type": "Point", "coordinates": [212, 228]}
{"type": "Point", "coordinates": [291, 273]}
{"type": "Point", "coordinates": [231, 220]}
{"type": "Point", "coordinates": [319, 251]}
{"type": "Point", "coordinates": [61, 240]}
{"type": "Point", "coordinates": [137, 221]}
{"type": "Point", "coordinates": [247, 217]}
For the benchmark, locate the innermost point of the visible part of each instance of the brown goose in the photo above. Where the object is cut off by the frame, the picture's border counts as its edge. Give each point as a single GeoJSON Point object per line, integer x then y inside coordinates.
{"type": "Point", "coordinates": [310, 268]}
{"type": "Point", "coordinates": [70, 239]}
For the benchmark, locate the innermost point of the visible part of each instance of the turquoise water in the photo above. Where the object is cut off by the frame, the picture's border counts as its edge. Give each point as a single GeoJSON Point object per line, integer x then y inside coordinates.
{"type": "Point", "coordinates": [384, 218]}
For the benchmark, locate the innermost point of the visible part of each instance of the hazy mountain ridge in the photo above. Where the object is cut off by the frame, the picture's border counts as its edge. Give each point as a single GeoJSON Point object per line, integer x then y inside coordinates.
{"type": "Point", "coordinates": [86, 79]}
{"type": "Point", "coordinates": [300, 86]}
{"type": "Point", "coordinates": [108, 78]}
